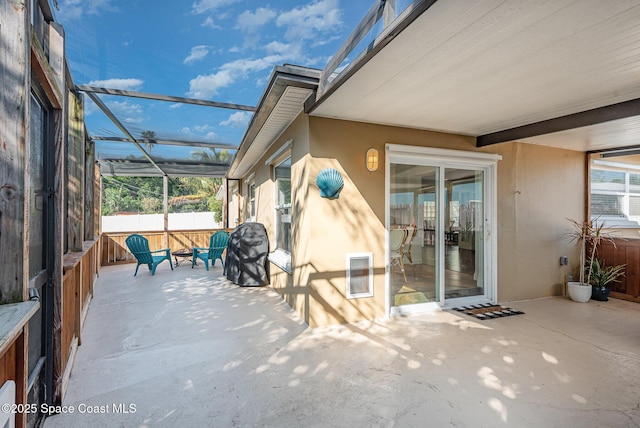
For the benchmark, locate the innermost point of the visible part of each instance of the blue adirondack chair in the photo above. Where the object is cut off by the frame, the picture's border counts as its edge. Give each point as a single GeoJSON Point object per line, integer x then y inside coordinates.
{"type": "Point", "coordinates": [217, 244]}
{"type": "Point", "coordinates": [139, 247]}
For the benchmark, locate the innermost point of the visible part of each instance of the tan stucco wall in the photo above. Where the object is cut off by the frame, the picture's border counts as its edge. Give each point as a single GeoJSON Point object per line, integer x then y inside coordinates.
{"type": "Point", "coordinates": [290, 286]}
{"type": "Point", "coordinates": [355, 222]}
{"type": "Point", "coordinates": [538, 189]}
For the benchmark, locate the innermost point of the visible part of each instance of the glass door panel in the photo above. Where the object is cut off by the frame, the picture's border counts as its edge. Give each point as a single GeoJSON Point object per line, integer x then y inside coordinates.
{"type": "Point", "coordinates": [413, 237]}
{"type": "Point", "coordinates": [464, 233]}
{"type": "Point", "coordinates": [37, 265]}
{"type": "Point", "coordinates": [437, 228]}
{"type": "Point", "coordinates": [439, 224]}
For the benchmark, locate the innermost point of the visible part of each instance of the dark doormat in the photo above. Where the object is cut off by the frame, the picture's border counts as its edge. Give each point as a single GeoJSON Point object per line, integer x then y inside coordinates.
{"type": "Point", "coordinates": [487, 311]}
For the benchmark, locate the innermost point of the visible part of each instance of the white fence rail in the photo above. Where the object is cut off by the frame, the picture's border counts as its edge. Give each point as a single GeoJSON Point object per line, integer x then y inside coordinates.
{"type": "Point", "coordinates": [148, 222]}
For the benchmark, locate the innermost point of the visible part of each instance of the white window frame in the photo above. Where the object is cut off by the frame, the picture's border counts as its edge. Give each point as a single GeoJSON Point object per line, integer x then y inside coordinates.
{"type": "Point", "coordinates": [624, 195]}
{"type": "Point", "coordinates": [281, 257]}
{"type": "Point", "coordinates": [251, 208]}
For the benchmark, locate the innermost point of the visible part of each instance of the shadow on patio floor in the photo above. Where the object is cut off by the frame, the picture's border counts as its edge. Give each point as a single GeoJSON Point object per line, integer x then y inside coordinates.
{"type": "Point", "coordinates": [187, 348]}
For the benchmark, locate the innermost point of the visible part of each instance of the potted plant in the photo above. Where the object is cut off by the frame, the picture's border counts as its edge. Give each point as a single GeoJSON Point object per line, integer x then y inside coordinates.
{"type": "Point", "coordinates": [601, 277]}
{"type": "Point", "coordinates": [588, 235]}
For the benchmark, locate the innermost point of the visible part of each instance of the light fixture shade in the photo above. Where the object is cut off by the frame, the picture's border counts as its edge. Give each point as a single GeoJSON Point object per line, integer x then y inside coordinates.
{"type": "Point", "coordinates": [372, 159]}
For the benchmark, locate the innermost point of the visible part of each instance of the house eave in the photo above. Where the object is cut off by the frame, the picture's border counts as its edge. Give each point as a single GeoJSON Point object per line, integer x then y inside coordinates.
{"type": "Point", "coordinates": [265, 126]}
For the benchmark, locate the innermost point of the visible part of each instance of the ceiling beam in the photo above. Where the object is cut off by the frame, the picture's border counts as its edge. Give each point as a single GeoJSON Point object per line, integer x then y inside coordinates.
{"type": "Point", "coordinates": [124, 130]}
{"type": "Point", "coordinates": [194, 162]}
{"type": "Point", "coordinates": [169, 142]}
{"type": "Point", "coordinates": [158, 97]}
{"type": "Point", "coordinates": [571, 121]}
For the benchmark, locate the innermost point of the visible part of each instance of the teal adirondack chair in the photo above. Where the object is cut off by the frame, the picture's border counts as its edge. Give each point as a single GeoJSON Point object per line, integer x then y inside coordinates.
{"type": "Point", "coordinates": [139, 247]}
{"type": "Point", "coordinates": [217, 244]}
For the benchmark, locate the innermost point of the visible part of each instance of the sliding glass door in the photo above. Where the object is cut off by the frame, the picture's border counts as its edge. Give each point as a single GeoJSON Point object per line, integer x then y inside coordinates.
{"type": "Point", "coordinates": [439, 222]}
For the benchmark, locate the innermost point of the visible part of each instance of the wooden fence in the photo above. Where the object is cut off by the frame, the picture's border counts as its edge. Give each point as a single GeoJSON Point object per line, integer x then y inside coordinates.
{"type": "Point", "coordinates": [624, 252]}
{"type": "Point", "coordinates": [80, 271]}
{"type": "Point", "coordinates": [114, 249]}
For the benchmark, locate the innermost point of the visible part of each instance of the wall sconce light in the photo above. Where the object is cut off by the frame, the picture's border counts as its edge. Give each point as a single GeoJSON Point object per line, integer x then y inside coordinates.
{"type": "Point", "coordinates": [372, 160]}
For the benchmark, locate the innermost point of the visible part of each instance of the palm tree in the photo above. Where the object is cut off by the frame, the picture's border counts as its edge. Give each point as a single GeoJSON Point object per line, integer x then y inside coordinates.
{"type": "Point", "coordinates": [149, 138]}
{"type": "Point", "coordinates": [211, 154]}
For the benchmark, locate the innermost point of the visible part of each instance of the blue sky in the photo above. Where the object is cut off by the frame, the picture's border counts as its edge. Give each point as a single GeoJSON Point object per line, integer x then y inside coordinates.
{"type": "Point", "coordinates": [221, 50]}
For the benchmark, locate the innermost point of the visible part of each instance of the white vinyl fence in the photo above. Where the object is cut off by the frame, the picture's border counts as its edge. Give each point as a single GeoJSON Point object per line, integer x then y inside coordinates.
{"type": "Point", "coordinates": [148, 222]}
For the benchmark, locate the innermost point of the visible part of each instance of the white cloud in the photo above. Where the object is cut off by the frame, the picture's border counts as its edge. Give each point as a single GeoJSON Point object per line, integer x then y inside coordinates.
{"type": "Point", "coordinates": [304, 22]}
{"type": "Point", "coordinates": [208, 22]}
{"type": "Point", "coordinates": [125, 108]}
{"type": "Point", "coordinates": [197, 53]}
{"type": "Point", "coordinates": [201, 128]}
{"type": "Point", "coordinates": [279, 48]}
{"type": "Point", "coordinates": [204, 6]}
{"type": "Point", "coordinates": [198, 132]}
{"type": "Point", "coordinates": [133, 120]}
{"type": "Point", "coordinates": [251, 21]}
{"type": "Point", "coordinates": [238, 120]}
{"type": "Point", "coordinates": [124, 84]}
{"type": "Point", "coordinates": [208, 86]}
{"type": "Point", "coordinates": [75, 9]}
{"type": "Point", "coordinates": [253, 65]}
{"type": "Point", "coordinates": [127, 112]}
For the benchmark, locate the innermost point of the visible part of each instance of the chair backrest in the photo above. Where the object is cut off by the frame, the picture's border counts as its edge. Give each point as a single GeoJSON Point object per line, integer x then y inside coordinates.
{"type": "Point", "coordinates": [411, 234]}
{"type": "Point", "coordinates": [139, 247]}
{"type": "Point", "coordinates": [396, 238]}
{"type": "Point", "coordinates": [217, 244]}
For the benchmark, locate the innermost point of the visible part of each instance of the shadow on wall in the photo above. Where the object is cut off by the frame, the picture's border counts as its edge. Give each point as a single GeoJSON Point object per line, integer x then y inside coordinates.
{"type": "Point", "coordinates": [337, 227]}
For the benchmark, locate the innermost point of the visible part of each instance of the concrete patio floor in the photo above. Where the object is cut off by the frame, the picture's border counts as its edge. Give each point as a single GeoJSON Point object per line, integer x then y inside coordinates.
{"type": "Point", "coordinates": [186, 348]}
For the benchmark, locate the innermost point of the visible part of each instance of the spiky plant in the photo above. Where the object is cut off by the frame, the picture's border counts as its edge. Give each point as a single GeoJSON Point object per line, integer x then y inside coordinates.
{"type": "Point", "coordinates": [603, 275]}
{"type": "Point", "coordinates": [588, 234]}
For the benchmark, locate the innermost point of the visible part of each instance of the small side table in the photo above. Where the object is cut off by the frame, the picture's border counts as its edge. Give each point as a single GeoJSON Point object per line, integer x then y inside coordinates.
{"type": "Point", "coordinates": [183, 253]}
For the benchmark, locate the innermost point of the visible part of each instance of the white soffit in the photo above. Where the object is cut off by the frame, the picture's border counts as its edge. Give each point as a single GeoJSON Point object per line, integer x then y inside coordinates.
{"type": "Point", "coordinates": [603, 136]}
{"type": "Point", "coordinates": [288, 107]}
{"type": "Point", "coordinates": [475, 68]}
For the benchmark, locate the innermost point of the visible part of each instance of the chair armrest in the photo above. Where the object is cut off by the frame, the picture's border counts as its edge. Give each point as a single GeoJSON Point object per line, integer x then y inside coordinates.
{"type": "Point", "coordinates": [164, 250]}
{"type": "Point", "coordinates": [198, 250]}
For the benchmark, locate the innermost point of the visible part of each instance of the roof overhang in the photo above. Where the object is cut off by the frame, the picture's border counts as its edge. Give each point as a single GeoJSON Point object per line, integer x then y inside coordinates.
{"type": "Point", "coordinates": [491, 67]}
{"type": "Point", "coordinates": [282, 101]}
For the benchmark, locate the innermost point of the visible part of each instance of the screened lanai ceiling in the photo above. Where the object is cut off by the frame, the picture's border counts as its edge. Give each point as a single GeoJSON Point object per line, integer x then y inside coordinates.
{"type": "Point", "coordinates": [133, 143]}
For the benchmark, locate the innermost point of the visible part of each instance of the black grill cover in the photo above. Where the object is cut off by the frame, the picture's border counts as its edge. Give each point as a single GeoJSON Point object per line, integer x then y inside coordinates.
{"type": "Point", "coordinates": [246, 262]}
